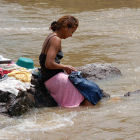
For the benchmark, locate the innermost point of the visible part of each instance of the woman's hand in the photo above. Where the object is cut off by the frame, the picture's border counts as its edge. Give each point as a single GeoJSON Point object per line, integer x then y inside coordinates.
{"type": "Point", "coordinates": [69, 69]}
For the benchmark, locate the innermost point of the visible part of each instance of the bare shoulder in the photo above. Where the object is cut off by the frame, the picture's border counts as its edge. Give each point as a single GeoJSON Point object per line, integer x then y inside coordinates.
{"type": "Point", "coordinates": [55, 41]}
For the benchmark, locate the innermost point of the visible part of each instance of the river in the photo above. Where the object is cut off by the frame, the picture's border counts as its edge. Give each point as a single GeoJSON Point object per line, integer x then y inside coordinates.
{"type": "Point", "coordinates": [109, 32]}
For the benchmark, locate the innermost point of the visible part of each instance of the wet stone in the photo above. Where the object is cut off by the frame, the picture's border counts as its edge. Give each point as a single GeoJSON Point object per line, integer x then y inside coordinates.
{"type": "Point", "coordinates": [20, 105]}
{"type": "Point", "coordinates": [137, 92]}
{"type": "Point", "coordinates": [3, 108]}
{"type": "Point", "coordinates": [4, 96]}
{"type": "Point", "coordinates": [99, 71]}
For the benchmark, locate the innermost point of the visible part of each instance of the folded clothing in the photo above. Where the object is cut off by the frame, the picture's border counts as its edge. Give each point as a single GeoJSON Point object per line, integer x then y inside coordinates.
{"type": "Point", "coordinates": [21, 74]}
{"type": "Point", "coordinates": [13, 86]}
{"type": "Point", "coordinates": [87, 88]}
{"type": "Point", "coordinates": [9, 67]}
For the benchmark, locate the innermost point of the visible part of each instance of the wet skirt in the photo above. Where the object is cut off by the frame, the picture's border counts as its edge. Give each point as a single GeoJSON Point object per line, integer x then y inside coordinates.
{"type": "Point", "coordinates": [63, 91]}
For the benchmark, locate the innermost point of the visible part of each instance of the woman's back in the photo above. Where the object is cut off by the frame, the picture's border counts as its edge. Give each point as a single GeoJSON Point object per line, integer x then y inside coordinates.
{"type": "Point", "coordinates": [48, 73]}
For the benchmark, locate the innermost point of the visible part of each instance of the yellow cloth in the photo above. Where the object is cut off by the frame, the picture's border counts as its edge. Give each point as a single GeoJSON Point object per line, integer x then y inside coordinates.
{"type": "Point", "coordinates": [21, 74]}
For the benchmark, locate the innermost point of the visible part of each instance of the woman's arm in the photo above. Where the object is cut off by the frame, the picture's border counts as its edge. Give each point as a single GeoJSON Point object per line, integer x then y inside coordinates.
{"type": "Point", "coordinates": [55, 47]}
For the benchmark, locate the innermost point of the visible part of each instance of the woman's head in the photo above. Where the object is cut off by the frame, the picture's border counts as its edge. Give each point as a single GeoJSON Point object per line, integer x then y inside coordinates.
{"type": "Point", "coordinates": [65, 24]}
{"type": "Point", "coordinates": [65, 21]}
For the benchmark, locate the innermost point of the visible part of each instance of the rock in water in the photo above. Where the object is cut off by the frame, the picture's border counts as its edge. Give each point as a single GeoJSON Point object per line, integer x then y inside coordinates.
{"type": "Point", "coordinates": [132, 93]}
{"type": "Point", "coordinates": [99, 71]}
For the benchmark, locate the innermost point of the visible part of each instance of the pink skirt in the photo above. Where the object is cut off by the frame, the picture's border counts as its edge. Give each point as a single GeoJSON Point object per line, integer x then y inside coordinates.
{"type": "Point", "coordinates": [63, 92]}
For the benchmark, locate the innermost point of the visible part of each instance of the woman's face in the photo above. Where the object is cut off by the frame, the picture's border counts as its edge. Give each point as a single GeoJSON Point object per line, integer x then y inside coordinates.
{"type": "Point", "coordinates": [67, 32]}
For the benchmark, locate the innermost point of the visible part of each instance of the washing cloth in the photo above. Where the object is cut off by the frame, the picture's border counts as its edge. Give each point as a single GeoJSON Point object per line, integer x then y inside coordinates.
{"type": "Point", "coordinates": [14, 86]}
{"type": "Point", "coordinates": [87, 88]}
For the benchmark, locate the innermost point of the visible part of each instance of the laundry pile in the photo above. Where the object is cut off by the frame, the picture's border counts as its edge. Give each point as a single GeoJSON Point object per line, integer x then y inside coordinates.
{"type": "Point", "coordinates": [21, 87]}
{"type": "Point", "coordinates": [14, 77]}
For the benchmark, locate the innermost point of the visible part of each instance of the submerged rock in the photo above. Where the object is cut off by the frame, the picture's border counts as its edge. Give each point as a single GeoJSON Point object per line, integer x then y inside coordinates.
{"type": "Point", "coordinates": [132, 93]}
{"type": "Point", "coordinates": [21, 104]}
{"type": "Point", "coordinates": [15, 105]}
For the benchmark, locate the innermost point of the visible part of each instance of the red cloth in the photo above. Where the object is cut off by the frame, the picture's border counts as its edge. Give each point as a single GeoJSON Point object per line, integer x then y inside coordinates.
{"type": "Point", "coordinates": [1, 72]}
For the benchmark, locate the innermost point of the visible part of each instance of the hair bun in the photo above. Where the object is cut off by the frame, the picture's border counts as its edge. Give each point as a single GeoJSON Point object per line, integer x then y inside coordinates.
{"type": "Point", "coordinates": [54, 25]}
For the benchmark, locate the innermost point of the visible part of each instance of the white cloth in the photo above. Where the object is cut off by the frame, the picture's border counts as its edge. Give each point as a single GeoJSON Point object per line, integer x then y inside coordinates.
{"type": "Point", "coordinates": [2, 58]}
{"type": "Point", "coordinates": [13, 86]}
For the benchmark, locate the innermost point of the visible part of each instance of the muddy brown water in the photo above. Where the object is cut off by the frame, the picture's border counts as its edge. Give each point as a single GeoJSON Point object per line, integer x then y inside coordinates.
{"type": "Point", "coordinates": [109, 32]}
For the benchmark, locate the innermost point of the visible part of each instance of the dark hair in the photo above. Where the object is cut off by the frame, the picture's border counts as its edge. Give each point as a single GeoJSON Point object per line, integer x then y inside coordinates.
{"type": "Point", "coordinates": [65, 21]}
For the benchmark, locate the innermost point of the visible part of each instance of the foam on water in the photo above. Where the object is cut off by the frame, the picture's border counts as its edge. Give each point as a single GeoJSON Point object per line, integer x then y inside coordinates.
{"type": "Point", "coordinates": [34, 124]}
{"type": "Point", "coordinates": [137, 69]}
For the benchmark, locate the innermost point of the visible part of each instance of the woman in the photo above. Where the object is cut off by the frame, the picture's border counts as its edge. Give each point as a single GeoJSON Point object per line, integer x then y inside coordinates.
{"type": "Point", "coordinates": [56, 81]}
